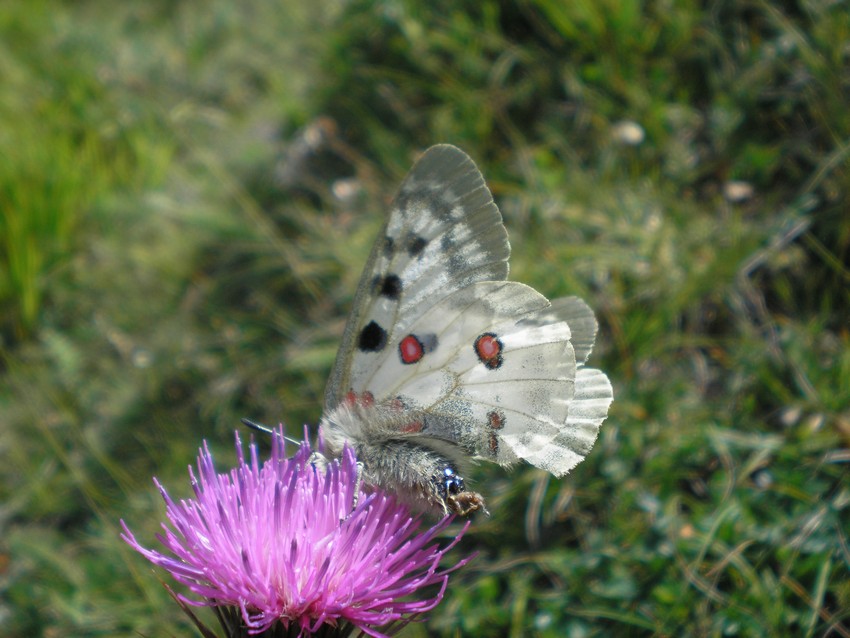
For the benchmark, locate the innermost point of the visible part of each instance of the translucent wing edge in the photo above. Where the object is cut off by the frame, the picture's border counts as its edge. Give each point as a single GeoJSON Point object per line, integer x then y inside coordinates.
{"type": "Point", "coordinates": [587, 410]}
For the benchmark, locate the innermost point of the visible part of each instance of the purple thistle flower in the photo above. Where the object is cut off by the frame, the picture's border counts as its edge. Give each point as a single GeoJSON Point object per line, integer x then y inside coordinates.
{"type": "Point", "coordinates": [281, 543]}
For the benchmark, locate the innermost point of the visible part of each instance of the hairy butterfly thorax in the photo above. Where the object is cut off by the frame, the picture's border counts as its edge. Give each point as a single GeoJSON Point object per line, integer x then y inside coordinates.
{"type": "Point", "coordinates": [444, 360]}
{"type": "Point", "coordinates": [425, 472]}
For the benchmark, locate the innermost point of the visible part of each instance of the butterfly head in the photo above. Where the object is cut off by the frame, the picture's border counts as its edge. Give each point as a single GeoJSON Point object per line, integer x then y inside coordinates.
{"type": "Point", "coordinates": [456, 499]}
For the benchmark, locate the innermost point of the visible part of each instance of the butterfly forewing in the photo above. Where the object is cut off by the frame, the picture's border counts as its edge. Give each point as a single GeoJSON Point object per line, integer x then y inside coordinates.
{"type": "Point", "coordinates": [443, 233]}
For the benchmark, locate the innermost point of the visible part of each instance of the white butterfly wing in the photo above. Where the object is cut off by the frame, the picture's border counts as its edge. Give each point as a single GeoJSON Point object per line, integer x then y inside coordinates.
{"type": "Point", "coordinates": [581, 320]}
{"type": "Point", "coordinates": [450, 230]}
{"type": "Point", "coordinates": [443, 233]}
{"type": "Point", "coordinates": [529, 399]}
{"type": "Point", "coordinates": [436, 331]}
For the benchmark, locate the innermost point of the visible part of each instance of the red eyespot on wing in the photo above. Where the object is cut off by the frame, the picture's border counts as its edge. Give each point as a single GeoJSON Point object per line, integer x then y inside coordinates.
{"type": "Point", "coordinates": [488, 349]}
{"type": "Point", "coordinates": [413, 427]}
{"type": "Point", "coordinates": [364, 400]}
{"type": "Point", "coordinates": [496, 421]}
{"type": "Point", "coordinates": [410, 349]}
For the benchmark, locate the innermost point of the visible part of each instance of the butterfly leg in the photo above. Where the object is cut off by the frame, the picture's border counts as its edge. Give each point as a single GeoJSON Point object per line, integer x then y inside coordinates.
{"type": "Point", "coordinates": [358, 481]}
{"type": "Point", "coordinates": [321, 462]}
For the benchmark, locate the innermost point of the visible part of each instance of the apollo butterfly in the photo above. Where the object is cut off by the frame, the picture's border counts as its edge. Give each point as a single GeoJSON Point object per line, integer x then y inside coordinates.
{"type": "Point", "coordinates": [443, 359]}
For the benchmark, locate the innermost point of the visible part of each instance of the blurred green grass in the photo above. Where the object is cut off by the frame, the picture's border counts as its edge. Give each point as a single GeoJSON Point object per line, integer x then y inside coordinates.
{"type": "Point", "coordinates": [187, 196]}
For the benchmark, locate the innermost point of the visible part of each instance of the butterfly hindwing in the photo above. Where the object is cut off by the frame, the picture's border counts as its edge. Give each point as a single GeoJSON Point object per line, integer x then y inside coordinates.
{"type": "Point", "coordinates": [527, 397]}
{"type": "Point", "coordinates": [501, 376]}
{"type": "Point", "coordinates": [588, 404]}
{"type": "Point", "coordinates": [578, 316]}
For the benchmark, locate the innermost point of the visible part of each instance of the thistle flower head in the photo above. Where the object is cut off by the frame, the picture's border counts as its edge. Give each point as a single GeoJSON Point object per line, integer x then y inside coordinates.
{"type": "Point", "coordinates": [283, 542]}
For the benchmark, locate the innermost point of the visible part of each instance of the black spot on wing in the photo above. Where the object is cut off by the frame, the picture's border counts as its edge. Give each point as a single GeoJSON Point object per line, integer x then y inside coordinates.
{"type": "Point", "coordinates": [415, 245]}
{"type": "Point", "coordinates": [373, 338]}
{"type": "Point", "coordinates": [389, 286]}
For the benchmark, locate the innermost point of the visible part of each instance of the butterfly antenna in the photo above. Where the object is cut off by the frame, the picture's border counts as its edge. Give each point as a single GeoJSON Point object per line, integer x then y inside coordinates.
{"type": "Point", "coordinates": [259, 427]}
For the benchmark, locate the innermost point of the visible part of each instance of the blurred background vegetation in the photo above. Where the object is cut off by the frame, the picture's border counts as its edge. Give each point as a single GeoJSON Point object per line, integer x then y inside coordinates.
{"type": "Point", "coordinates": [188, 191]}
